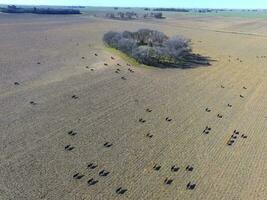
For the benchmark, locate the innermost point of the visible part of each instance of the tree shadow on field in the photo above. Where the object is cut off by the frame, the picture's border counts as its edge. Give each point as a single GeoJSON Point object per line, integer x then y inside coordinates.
{"type": "Point", "coordinates": [189, 62]}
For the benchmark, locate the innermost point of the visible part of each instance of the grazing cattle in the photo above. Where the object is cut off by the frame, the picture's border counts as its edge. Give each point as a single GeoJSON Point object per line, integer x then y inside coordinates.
{"type": "Point", "coordinates": [72, 133]}
{"type": "Point", "coordinates": [92, 181]}
{"type": "Point", "coordinates": [92, 166]}
{"type": "Point", "coordinates": [74, 97]}
{"type": "Point", "coordinates": [33, 103]}
{"type": "Point", "coordinates": [175, 168]}
{"type": "Point", "coordinates": [142, 120]}
{"type": "Point", "coordinates": [236, 132]}
{"type": "Point", "coordinates": [234, 136]}
{"type": "Point", "coordinates": [108, 144]}
{"type": "Point", "coordinates": [230, 142]}
{"type": "Point", "coordinates": [189, 168]}
{"type": "Point", "coordinates": [149, 135]}
{"type": "Point", "coordinates": [103, 173]}
{"type": "Point", "coordinates": [190, 186]}
{"type": "Point", "coordinates": [244, 136]}
{"type": "Point", "coordinates": [168, 119]}
{"type": "Point", "coordinates": [78, 176]}
{"type": "Point", "coordinates": [156, 167]}
{"type": "Point", "coordinates": [120, 190]}
{"type": "Point", "coordinates": [208, 110]}
{"type": "Point", "coordinates": [219, 116]}
{"type": "Point", "coordinates": [69, 147]}
{"type": "Point", "coordinates": [207, 130]}
{"type": "Point", "coordinates": [148, 110]}
{"type": "Point", "coordinates": [168, 181]}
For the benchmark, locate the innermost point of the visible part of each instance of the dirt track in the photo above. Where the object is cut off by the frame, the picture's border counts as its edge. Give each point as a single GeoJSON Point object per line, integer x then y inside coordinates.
{"type": "Point", "coordinates": [48, 57]}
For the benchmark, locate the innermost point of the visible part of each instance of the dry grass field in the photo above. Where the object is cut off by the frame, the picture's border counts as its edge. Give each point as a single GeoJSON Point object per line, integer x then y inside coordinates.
{"type": "Point", "coordinates": [152, 132]}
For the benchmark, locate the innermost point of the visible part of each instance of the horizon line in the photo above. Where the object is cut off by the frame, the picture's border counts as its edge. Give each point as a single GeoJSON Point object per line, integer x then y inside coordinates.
{"type": "Point", "coordinates": [135, 7]}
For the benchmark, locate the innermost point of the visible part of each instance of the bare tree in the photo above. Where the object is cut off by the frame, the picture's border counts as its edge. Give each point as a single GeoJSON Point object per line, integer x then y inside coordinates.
{"type": "Point", "coordinates": [152, 47]}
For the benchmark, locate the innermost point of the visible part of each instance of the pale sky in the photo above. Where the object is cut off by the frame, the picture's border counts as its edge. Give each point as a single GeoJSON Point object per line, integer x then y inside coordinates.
{"type": "Point", "coordinates": [252, 4]}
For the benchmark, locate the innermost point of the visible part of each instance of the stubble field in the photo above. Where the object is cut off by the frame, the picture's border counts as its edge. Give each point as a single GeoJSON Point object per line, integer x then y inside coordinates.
{"type": "Point", "coordinates": [144, 133]}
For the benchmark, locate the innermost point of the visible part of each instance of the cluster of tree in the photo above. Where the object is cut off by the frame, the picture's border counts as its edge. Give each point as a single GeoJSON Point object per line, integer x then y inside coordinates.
{"type": "Point", "coordinates": [76, 6]}
{"type": "Point", "coordinates": [122, 15]}
{"type": "Point", "coordinates": [133, 15]}
{"type": "Point", "coordinates": [154, 48]}
{"type": "Point", "coordinates": [206, 10]}
{"type": "Point", "coordinates": [157, 15]}
{"type": "Point", "coordinates": [172, 9]}
{"type": "Point", "coordinates": [117, 8]}
{"type": "Point", "coordinates": [14, 9]}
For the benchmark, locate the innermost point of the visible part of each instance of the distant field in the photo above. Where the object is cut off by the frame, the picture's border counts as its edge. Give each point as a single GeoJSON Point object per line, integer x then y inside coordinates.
{"type": "Point", "coordinates": [242, 14]}
{"type": "Point", "coordinates": [234, 13]}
